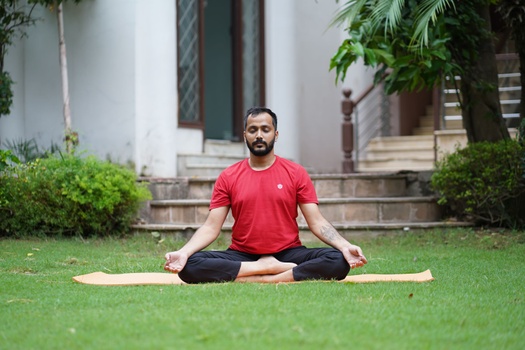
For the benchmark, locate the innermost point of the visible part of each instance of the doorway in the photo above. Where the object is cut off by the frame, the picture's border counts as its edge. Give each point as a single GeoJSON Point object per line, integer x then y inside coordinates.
{"type": "Point", "coordinates": [218, 70]}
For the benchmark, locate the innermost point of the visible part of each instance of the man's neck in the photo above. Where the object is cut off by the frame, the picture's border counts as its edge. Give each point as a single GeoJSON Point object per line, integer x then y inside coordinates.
{"type": "Point", "coordinates": [261, 163]}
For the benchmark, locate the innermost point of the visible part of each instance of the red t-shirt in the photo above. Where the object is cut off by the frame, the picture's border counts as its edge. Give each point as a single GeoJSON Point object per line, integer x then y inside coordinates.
{"type": "Point", "coordinates": [264, 204]}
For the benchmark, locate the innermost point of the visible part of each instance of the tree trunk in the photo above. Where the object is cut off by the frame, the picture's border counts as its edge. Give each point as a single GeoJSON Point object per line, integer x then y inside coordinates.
{"type": "Point", "coordinates": [65, 81]}
{"type": "Point", "coordinates": [481, 108]}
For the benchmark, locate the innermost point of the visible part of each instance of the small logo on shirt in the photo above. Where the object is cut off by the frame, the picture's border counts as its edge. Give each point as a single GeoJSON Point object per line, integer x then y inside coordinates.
{"type": "Point", "coordinates": [280, 186]}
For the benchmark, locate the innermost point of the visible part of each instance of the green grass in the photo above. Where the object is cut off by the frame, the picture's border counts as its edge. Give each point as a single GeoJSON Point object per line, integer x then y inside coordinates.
{"type": "Point", "coordinates": [476, 301]}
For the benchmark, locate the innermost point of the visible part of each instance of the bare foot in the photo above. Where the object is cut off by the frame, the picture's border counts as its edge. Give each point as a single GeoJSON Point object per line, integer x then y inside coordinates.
{"type": "Point", "coordinates": [266, 265]}
{"type": "Point", "coordinates": [286, 276]}
{"type": "Point", "coordinates": [272, 266]}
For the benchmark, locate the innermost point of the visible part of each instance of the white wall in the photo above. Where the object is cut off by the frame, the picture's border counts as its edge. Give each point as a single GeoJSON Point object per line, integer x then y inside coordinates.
{"type": "Point", "coordinates": [122, 71]}
{"type": "Point", "coordinates": [122, 77]}
{"type": "Point", "coordinates": [281, 74]}
{"type": "Point", "coordinates": [320, 123]}
{"type": "Point", "coordinates": [300, 87]}
{"type": "Point", "coordinates": [156, 88]}
{"type": "Point", "coordinates": [101, 79]}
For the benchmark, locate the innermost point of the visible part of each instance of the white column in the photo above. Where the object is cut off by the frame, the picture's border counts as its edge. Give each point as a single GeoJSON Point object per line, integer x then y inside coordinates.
{"type": "Point", "coordinates": [281, 80]}
{"type": "Point", "coordinates": [156, 88]}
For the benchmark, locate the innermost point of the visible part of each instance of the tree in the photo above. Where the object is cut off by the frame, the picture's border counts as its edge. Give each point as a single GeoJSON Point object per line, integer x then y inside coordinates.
{"type": "Point", "coordinates": [14, 17]}
{"type": "Point", "coordinates": [423, 42]}
{"type": "Point", "coordinates": [70, 137]}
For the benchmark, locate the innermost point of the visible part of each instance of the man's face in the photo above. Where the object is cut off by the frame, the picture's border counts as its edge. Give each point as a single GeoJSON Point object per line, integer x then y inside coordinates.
{"type": "Point", "coordinates": [260, 134]}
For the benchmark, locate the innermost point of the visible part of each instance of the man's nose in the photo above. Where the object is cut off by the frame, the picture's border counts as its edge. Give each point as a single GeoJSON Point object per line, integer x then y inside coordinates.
{"type": "Point", "coordinates": [258, 135]}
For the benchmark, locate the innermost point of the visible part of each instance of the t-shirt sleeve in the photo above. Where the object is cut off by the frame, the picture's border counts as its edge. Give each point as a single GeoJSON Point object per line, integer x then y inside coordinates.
{"type": "Point", "coordinates": [305, 188]}
{"type": "Point", "coordinates": [220, 196]}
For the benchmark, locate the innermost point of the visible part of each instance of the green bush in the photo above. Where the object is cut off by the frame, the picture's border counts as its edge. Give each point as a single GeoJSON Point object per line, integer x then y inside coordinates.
{"type": "Point", "coordinates": [28, 150]}
{"type": "Point", "coordinates": [68, 195]}
{"type": "Point", "coordinates": [484, 182]}
{"type": "Point", "coordinates": [7, 158]}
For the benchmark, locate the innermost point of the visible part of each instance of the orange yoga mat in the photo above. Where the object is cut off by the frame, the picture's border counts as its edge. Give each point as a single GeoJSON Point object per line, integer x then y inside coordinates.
{"type": "Point", "coordinates": [161, 278]}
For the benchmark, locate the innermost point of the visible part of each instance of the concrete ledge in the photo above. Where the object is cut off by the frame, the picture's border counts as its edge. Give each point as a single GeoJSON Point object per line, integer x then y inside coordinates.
{"type": "Point", "coordinates": [448, 140]}
{"type": "Point", "coordinates": [184, 232]}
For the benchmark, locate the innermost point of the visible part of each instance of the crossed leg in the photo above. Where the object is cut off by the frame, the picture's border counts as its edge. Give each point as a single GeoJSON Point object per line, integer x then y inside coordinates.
{"type": "Point", "coordinates": [294, 264]}
{"type": "Point", "coordinates": [265, 270]}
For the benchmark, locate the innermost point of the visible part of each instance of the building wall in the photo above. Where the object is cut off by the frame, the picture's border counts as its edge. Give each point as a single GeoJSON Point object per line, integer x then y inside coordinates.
{"type": "Point", "coordinates": [122, 79]}
{"type": "Point", "coordinates": [122, 73]}
{"type": "Point", "coordinates": [300, 87]}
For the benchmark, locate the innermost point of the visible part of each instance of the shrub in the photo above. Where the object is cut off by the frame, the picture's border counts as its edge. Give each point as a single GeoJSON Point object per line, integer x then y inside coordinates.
{"type": "Point", "coordinates": [484, 182]}
{"type": "Point", "coordinates": [7, 158]}
{"type": "Point", "coordinates": [69, 195]}
{"type": "Point", "coordinates": [28, 150]}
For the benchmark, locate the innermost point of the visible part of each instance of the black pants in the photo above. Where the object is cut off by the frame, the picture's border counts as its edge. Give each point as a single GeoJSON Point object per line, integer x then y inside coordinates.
{"type": "Point", "coordinates": [222, 266]}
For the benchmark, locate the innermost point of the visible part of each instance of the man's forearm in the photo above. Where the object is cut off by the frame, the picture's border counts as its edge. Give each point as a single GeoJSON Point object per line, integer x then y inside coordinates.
{"type": "Point", "coordinates": [329, 235]}
{"type": "Point", "coordinates": [202, 238]}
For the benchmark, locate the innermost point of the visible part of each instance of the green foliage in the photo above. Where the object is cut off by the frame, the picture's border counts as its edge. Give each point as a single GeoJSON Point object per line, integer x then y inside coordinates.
{"type": "Point", "coordinates": [397, 36]}
{"type": "Point", "coordinates": [6, 94]}
{"type": "Point", "coordinates": [484, 182]}
{"type": "Point", "coordinates": [68, 196]}
{"type": "Point", "coordinates": [14, 17]}
{"type": "Point", "coordinates": [28, 150]}
{"type": "Point", "coordinates": [7, 158]}
{"type": "Point", "coordinates": [418, 41]}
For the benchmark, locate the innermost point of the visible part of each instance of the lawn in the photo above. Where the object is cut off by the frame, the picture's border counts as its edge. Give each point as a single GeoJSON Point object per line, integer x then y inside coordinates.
{"type": "Point", "coordinates": [476, 302]}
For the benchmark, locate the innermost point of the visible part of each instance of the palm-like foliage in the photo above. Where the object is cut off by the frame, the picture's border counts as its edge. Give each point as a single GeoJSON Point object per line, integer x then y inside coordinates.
{"type": "Point", "coordinates": [396, 34]}
{"type": "Point", "coordinates": [423, 41]}
{"type": "Point", "coordinates": [388, 14]}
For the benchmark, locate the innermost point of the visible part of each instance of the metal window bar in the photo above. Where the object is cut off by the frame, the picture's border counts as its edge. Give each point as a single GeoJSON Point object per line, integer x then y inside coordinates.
{"type": "Point", "coordinates": [250, 56]}
{"type": "Point", "coordinates": [188, 65]}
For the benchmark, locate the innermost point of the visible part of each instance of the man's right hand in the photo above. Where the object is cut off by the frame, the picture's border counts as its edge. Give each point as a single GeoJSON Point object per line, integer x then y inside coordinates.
{"type": "Point", "coordinates": [175, 261]}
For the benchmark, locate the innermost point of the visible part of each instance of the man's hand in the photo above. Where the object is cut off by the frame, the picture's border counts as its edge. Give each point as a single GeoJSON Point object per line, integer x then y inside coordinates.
{"type": "Point", "coordinates": [175, 261]}
{"type": "Point", "coordinates": [354, 256]}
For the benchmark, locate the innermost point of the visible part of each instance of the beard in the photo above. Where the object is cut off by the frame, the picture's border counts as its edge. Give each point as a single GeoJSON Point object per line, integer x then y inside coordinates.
{"type": "Point", "coordinates": [261, 152]}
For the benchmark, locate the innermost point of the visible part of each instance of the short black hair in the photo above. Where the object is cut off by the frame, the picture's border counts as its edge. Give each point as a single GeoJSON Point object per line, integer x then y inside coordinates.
{"type": "Point", "coordinates": [255, 111]}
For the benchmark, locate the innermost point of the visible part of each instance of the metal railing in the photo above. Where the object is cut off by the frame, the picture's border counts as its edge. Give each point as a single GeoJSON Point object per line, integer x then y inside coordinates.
{"type": "Point", "coordinates": [357, 133]}
{"type": "Point", "coordinates": [509, 87]}
{"type": "Point", "coordinates": [371, 116]}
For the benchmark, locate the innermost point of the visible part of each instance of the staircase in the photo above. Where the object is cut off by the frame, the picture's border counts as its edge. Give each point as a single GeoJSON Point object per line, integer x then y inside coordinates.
{"type": "Point", "coordinates": [395, 153]}
{"type": "Point", "coordinates": [356, 204]}
{"type": "Point", "coordinates": [217, 155]}
{"type": "Point", "coordinates": [416, 152]}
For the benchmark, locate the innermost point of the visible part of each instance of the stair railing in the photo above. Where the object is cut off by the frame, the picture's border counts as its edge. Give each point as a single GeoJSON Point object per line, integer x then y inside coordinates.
{"type": "Point", "coordinates": [356, 133]}
{"type": "Point", "coordinates": [509, 88]}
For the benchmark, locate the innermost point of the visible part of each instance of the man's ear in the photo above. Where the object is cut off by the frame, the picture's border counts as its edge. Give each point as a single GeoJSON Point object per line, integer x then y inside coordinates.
{"type": "Point", "coordinates": [276, 135]}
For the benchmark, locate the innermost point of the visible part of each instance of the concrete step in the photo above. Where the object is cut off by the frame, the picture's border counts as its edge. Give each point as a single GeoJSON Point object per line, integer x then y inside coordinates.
{"type": "Point", "coordinates": [360, 185]}
{"type": "Point", "coordinates": [400, 153]}
{"type": "Point", "coordinates": [397, 153]}
{"type": "Point", "coordinates": [385, 165]}
{"type": "Point", "coordinates": [343, 210]}
{"type": "Point", "coordinates": [326, 185]}
{"type": "Point", "coordinates": [225, 147]}
{"type": "Point", "coordinates": [401, 142]}
{"type": "Point", "coordinates": [423, 130]}
{"type": "Point", "coordinates": [427, 120]}
{"type": "Point", "coordinates": [348, 230]}
{"type": "Point", "coordinates": [205, 165]}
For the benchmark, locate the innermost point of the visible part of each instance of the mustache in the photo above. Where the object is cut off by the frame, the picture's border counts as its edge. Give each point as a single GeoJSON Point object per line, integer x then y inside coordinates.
{"type": "Point", "coordinates": [262, 142]}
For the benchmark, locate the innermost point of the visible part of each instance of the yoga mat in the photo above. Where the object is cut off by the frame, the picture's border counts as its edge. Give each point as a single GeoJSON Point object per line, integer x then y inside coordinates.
{"type": "Point", "coordinates": [161, 278]}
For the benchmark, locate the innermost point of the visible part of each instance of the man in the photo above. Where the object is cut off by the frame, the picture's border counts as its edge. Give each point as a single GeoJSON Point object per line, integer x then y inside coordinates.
{"type": "Point", "coordinates": [263, 193]}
